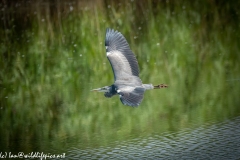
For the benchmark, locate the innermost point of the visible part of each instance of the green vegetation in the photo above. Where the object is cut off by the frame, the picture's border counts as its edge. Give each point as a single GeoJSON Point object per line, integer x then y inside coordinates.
{"type": "Point", "coordinates": [52, 55]}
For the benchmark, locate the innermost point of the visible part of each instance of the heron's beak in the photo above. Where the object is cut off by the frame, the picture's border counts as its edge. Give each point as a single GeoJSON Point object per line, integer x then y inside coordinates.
{"type": "Point", "coordinates": [98, 90]}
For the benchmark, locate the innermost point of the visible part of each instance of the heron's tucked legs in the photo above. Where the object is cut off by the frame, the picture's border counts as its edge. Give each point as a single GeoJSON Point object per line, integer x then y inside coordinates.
{"type": "Point", "coordinates": [108, 94]}
{"type": "Point", "coordinates": [160, 86]}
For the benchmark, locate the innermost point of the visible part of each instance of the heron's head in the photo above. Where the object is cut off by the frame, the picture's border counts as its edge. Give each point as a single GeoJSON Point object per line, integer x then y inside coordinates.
{"type": "Point", "coordinates": [103, 89]}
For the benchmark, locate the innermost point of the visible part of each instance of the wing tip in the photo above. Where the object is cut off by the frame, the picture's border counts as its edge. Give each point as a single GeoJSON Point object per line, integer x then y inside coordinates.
{"type": "Point", "coordinates": [107, 39]}
{"type": "Point", "coordinates": [109, 31]}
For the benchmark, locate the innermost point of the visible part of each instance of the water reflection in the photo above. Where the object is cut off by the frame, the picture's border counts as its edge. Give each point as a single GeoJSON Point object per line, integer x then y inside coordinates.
{"type": "Point", "coordinates": [210, 141]}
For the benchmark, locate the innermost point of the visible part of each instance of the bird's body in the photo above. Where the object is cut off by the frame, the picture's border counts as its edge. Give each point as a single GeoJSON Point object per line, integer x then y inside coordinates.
{"type": "Point", "coordinates": [124, 64]}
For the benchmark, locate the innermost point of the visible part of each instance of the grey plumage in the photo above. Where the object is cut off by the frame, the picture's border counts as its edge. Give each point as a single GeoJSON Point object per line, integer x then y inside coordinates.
{"type": "Point", "coordinates": [125, 68]}
{"type": "Point", "coordinates": [120, 56]}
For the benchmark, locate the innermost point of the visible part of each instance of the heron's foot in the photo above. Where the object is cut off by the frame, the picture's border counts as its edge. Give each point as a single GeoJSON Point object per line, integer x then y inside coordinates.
{"type": "Point", "coordinates": [160, 86]}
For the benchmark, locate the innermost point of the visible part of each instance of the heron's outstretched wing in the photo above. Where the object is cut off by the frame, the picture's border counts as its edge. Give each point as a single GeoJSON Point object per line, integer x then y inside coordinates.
{"type": "Point", "coordinates": [131, 96]}
{"type": "Point", "coordinates": [122, 59]}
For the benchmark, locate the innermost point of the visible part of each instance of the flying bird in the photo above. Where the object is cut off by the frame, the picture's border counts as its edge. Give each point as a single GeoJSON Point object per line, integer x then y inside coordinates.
{"type": "Point", "coordinates": [127, 83]}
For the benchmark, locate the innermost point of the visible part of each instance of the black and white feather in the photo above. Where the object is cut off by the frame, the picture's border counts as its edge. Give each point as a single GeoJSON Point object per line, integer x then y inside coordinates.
{"type": "Point", "coordinates": [131, 96]}
{"type": "Point", "coordinates": [119, 54]}
{"type": "Point", "coordinates": [125, 69]}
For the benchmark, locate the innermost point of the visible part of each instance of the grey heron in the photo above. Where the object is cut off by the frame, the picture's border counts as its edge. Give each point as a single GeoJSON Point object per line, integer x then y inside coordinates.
{"type": "Point", "coordinates": [127, 83]}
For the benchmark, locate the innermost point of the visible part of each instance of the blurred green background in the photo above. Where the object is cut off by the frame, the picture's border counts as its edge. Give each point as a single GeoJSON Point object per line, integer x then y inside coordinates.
{"type": "Point", "coordinates": [53, 54]}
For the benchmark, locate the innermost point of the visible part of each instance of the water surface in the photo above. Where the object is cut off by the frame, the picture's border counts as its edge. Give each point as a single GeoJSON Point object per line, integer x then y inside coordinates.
{"type": "Point", "coordinates": [208, 141]}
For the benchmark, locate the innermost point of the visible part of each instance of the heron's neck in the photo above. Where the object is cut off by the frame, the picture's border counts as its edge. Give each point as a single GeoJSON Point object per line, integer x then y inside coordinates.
{"type": "Point", "coordinates": [148, 86]}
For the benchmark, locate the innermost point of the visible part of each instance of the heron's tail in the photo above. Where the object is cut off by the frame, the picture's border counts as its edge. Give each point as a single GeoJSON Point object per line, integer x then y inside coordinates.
{"type": "Point", "coordinates": [160, 86]}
